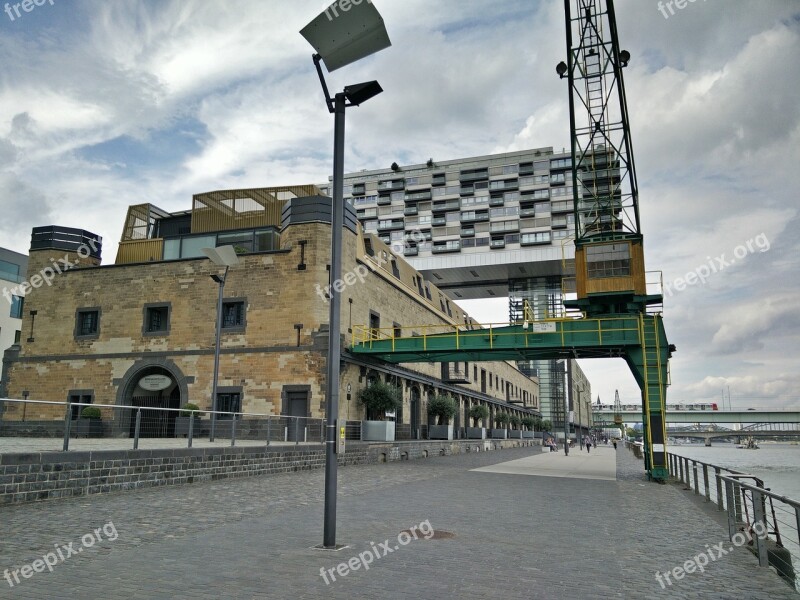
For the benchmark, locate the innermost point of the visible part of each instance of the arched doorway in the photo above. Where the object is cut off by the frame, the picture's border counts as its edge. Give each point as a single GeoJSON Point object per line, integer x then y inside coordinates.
{"type": "Point", "coordinates": [160, 385]}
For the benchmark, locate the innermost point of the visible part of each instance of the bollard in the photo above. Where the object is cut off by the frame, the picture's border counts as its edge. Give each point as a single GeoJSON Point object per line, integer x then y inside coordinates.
{"type": "Point", "coordinates": [137, 429]}
{"type": "Point", "coordinates": [759, 517]}
{"type": "Point", "coordinates": [67, 422]}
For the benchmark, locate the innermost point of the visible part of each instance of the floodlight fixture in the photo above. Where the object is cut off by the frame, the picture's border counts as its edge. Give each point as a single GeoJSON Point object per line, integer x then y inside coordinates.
{"type": "Point", "coordinates": [359, 93]}
{"type": "Point", "coordinates": [624, 57]}
{"type": "Point", "coordinates": [223, 256]}
{"type": "Point", "coordinates": [561, 69]}
{"type": "Point", "coordinates": [346, 32]}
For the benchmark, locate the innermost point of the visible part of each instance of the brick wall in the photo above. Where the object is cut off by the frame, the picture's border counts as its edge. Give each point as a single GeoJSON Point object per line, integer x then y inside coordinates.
{"type": "Point", "coordinates": [50, 475]}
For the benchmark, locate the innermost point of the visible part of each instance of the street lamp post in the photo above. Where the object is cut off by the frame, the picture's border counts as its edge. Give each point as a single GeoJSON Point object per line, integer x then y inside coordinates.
{"type": "Point", "coordinates": [223, 256]}
{"type": "Point", "coordinates": [339, 40]}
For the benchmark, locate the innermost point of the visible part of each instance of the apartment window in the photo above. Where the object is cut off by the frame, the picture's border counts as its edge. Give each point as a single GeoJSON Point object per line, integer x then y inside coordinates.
{"type": "Point", "coordinates": [9, 271]}
{"type": "Point", "coordinates": [87, 322]}
{"type": "Point", "coordinates": [233, 313]}
{"type": "Point", "coordinates": [156, 318]}
{"type": "Point", "coordinates": [535, 238]}
{"type": "Point", "coordinates": [608, 260]}
{"type": "Point", "coordinates": [17, 303]}
{"type": "Point", "coordinates": [560, 163]}
{"type": "Point", "coordinates": [510, 169]}
{"type": "Point", "coordinates": [557, 178]}
{"type": "Point", "coordinates": [17, 336]}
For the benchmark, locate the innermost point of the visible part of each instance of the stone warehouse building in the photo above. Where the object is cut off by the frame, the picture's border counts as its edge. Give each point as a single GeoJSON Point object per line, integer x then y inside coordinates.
{"type": "Point", "coordinates": [98, 330]}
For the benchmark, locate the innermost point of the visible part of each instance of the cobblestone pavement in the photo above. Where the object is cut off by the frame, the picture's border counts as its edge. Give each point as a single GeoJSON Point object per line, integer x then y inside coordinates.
{"type": "Point", "coordinates": [515, 536]}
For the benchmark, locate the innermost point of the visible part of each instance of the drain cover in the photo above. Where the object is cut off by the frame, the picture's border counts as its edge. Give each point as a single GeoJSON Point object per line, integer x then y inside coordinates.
{"type": "Point", "coordinates": [437, 535]}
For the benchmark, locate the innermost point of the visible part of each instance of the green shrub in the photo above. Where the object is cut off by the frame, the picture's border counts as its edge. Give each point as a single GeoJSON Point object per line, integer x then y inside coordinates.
{"type": "Point", "coordinates": [501, 418]}
{"type": "Point", "coordinates": [546, 425]}
{"type": "Point", "coordinates": [443, 407]}
{"type": "Point", "coordinates": [515, 421]}
{"type": "Point", "coordinates": [91, 412]}
{"type": "Point", "coordinates": [186, 410]}
{"type": "Point", "coordinates": [380, 398]}
{"type": "Point", "coordinates": [477, 413]}
{"type": "Point", "coordinates": [528, 422]}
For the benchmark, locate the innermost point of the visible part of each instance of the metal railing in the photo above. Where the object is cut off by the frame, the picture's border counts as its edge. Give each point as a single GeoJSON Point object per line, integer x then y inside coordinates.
{"type": "Point", "coordinates": [137, 422]}
{"type": "Point", "coordinates": [768, 522]}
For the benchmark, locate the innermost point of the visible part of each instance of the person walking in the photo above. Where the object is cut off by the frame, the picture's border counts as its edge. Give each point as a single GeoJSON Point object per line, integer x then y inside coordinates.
{"type": "Point", "coordinates": [588, 445]}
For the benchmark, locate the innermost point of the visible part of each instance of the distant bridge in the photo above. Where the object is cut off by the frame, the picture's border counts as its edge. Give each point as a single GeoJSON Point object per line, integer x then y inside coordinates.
{"type": "Point", "coordinates": [740, 417]}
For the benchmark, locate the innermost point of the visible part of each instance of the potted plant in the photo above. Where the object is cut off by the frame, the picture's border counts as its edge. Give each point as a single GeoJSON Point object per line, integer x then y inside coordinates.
{"type": "Point", "coordinates": [515, 432]}
{"type": "Point", "coordinates": [188, 411]}
{"type": "Point", "coordinates": [90, 422]}
{"type": "Point", "coordinates": [528, 422]}
{"type": "Point", "coordinates": [501, 420]}
{"type": "Point", "coordinates": [478, 413]}
{"type": "Point", "coordinates": [378, 399]}
{"type": "Point", "coordinates": [442, 407]}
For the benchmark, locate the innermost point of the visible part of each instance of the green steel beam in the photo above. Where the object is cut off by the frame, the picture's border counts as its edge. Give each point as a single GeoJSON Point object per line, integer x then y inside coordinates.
{"type": "Point", "coordinates": [640, 340]}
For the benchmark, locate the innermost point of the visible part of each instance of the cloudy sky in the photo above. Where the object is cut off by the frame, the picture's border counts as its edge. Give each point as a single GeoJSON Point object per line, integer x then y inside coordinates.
{"type": "Point", "coordinates": [107, 104]}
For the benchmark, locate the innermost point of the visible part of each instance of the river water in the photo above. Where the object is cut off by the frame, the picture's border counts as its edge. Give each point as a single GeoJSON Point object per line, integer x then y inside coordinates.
{"type": "Point", "coordinates": [777, 464]}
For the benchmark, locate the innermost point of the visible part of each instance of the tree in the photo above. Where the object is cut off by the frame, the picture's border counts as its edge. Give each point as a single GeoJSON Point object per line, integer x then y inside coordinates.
{"type": "Point", "coordinates": [380, 398]}
{"type": "Point", "coordinates": [477, 413]}
{"type": "Point", "coordinates": [443, 407]}
{"type": "Point", "coordinates": [515, 421]}
{"type": "Point", "coordinates": [528, 422]}
{"type": "Point", "coordinates": [501, 419]}
{"type": "Point", "coordinates": [538, 424]}
{"type": "Point", "coordinates": [546, 425]}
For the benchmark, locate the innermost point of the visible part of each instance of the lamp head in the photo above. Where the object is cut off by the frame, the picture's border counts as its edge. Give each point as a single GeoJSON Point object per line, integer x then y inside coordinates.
{"type": "Point", "coordinates": [624, 57]}
{"type": "Point", "coordinates": [224, 256]}
{"type": "Point", "coordinates": [359, 93]}
{"type": "Point", "coordinates": [346, 32]}
{"type": "Point", "coordinates": [561, 69]}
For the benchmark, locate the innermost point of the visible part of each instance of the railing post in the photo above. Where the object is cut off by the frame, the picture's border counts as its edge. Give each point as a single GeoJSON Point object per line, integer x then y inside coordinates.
{"type": "Point", "coordinates": [737, 501]}
{"type": "Point", "coordinates": [759, 517]}
{"type": "Point", "coordinates": [705, 482]}
{"type": "Point", "coordinates": [696, 486]}
{"type": "Point", "coordinates": [67, 422]}
{"type": "Point", "coordinates": [731, 509]}
{"type": "Point", "coordinates": [233, 430]}
{"type": "Point", "coordinates": [719, 488]}
{"type": "Point", "coordinates": [680, 465]}
{"type": "Point", "coordinates": [269, 424]}
{"type": "Point", "coordinates": [138, 428]}
{"type": "Point", "coordinates": [296, 431]}
{"type": "Point", "coordinates": [191, 430]}
{"type": "Point", "coordinates": [305, 434]}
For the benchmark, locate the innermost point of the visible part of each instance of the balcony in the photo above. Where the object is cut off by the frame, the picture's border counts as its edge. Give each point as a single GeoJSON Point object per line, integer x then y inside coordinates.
{"type": "Point", "coordinates": [391, 185]}
{"type": "Point", "coordinates": [384, 200]}
{"type": "Point", "coordinates": [359, 189]}
{"type": "Point", "coordinates": [444, 247]}
{"type": "Point", "coordinates": [497, 243]}
{"type": "Point", "coordinates": [527, 212]}
{"type": "Point", "coordinates": [474, 175]}
{"type": "Point", "coordinates": [467, 232]}
{"type": "Point", "coordinates": [496, 201]}
{"type": "Point", "coordinates": [391, 225]}
{"type": "Point", "coordinates": [505, 226]}
{"type": "Point", "coordinates": [417, 196]}
{"type": "Point", "coordinates": [455, 374]}
{"type": "Point", "coordinates": [467, 190]}
{"type": "Point", "coordinates": [439, 222]}
{"type": "Point", "coordinates": [439, 180]}
{"type": "Point", "coordinates": [445, 205]}
{"type": "Point", "coordinates": [472, 217]}
{"type": "Point", "coordinates": [410, 251]}
{"type": "Point", "coordinates": [504, 185]}
{"type": "Point", "coordinates": [410, 210]}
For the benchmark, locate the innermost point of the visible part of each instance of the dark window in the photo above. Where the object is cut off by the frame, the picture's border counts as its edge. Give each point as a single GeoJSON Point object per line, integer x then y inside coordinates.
{"type": "Point", "coordinates": [17, 303]}
{"type": "Point", "coordinates": [229, 402]}
{"type": "Point", "coordinates": [398, 332]}
{"type": "Point", "coordinates": [395, 269]}
{"type": "Point", "coordinates": [232, 314]}
{"type": "Point", "coordinates": [156, 319]}
{"type": "Point", "coordinates": [88, 322]}
{"type": "Point", "coordinates": [374, 325]}
{"type": "Point", "coordinates": [608, 260]}
{"type": "Point", "coordinates": [17, 336]}
{"type": "Point", "coordinates": [82, 397]}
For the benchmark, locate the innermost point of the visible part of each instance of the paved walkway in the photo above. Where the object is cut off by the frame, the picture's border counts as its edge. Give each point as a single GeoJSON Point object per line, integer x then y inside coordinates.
{"type": "Point", "coordinates": [514, 536]}
{"type": "Point", "coordinates": [598, 464]}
